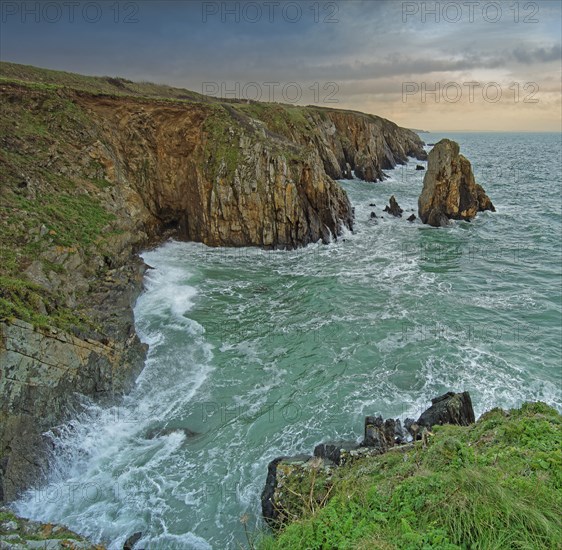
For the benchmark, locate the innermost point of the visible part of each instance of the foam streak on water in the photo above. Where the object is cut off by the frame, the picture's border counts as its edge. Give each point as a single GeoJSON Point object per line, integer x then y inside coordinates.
{"type": "Point", "coordinates": [255, 354]}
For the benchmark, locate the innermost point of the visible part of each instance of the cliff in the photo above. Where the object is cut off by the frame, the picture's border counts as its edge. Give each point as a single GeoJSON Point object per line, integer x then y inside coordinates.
{"type": "Point", "coordinates": [93, 169]}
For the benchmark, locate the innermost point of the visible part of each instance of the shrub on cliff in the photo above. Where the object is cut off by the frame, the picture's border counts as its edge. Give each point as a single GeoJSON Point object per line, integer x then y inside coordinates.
{"type": "Point", "coordinates": [495, 484]}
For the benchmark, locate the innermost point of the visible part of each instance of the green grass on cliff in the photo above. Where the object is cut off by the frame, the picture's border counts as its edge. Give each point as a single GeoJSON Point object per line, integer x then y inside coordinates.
{"type": "Point", "coordinates": [49, 205]}
{"type": "Point", "coordinates": [495, 485]}
{"type": "Point", "coordinates": [47, 79]}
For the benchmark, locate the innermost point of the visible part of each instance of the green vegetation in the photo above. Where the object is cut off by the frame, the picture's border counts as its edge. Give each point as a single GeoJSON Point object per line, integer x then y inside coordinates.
{"type": "Point", "coordinates": [280, 119]}
{"type": "Point", "coordinates": [50, 208]}
{"type": "Point", "coordinates": [48, 80]}
{"type": "Point", "coordinates": [30, 302]}
{"type": "Point", "coordinates": [494, 485]}
{"type": "Point", "coordinates": [223, 142]}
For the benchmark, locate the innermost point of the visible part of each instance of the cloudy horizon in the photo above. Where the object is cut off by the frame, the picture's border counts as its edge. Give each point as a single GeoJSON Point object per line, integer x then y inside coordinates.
{"type": "Point", "coordinates": [438, 66]}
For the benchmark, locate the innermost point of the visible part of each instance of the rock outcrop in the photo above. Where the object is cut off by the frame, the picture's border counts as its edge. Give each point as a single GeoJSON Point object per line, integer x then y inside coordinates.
{"type": "Point", "coordinates": [232, 180]}
{"type": "Point", "coordinates": [394, 208]}
{"type": "Point", "coordinates": [303, 482]}
{"type": "Point", "coordinates": [449, 189]}
{"type": "Point", "coordinates": [42, 373]}
{"type": "Point", "coordinates": [450, 408]}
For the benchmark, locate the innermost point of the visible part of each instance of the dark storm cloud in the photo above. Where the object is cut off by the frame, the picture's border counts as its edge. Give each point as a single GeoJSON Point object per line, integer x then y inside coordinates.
{"type": "Point", "coordinates": [368, 47]}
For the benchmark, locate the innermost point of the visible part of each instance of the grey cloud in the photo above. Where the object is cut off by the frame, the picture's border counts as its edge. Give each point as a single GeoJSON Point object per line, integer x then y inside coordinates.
{"type": "Point", "coordinates": [537, 55]}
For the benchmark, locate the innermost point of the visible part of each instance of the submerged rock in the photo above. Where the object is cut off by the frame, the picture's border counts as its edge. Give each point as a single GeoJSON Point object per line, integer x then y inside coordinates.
{"type": "Point", "coordinates": [412, 218]}
{"type": "Point", "coordinates": [161, 432]}
{"type": "Point", "coordinates": [394, 208]}
{"type": "Point", "coordinates": [132, 540]}
{"type": "Point", "coordinates": [373, 216]}
{"type": "Point", "coordinates": [449, 189]}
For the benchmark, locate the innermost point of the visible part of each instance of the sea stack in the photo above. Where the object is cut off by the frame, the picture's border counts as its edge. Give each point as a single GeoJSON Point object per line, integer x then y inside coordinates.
{"type": "Point", "coordinates": [449, 188]}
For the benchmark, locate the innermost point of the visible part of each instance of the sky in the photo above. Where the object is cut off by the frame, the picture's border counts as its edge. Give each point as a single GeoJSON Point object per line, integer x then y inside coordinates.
{"type": "Point", "coordinates": [460, 65]}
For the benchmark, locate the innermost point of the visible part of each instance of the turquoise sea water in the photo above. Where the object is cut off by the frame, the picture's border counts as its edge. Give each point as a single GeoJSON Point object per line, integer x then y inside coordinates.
{"type": "Point", "coordinates": [256, 354]}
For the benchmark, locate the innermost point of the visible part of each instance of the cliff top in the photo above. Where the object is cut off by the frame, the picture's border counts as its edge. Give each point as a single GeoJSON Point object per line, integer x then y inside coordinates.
{"type": "Point", "coordinates": [49, 79]}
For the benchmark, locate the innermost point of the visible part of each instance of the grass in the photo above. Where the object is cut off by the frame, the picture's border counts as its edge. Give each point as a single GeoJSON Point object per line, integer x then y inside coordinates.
{"type": "Point", "coordinates": [48, 80]}
{"type": "Point", "coordinates": [494, 485]}
{"type": "Point", "coordinates": [280, 119]}
{"type": "Point", "coordinates": [222, 145]}
{"type": "Point", "coordinates": [30, 302]}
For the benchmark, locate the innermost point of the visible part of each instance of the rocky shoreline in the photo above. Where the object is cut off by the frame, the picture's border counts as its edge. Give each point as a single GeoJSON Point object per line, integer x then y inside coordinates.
{"type": "Point", "coordinates": [140, 170]}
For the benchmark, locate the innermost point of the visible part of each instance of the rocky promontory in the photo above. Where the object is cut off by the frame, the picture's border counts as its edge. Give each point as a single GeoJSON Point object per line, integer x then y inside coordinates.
{"type": "Point", "coordinates": [449, 188]}
{"type": "Point", "coordinates": [95, 169]}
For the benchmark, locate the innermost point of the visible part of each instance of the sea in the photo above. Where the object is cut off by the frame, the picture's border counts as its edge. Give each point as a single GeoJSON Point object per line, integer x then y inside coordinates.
{"type": "Point", "coordinates": [256, 354]}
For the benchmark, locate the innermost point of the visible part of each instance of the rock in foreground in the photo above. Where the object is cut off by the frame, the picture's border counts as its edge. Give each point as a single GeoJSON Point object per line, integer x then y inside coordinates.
{"type": "Point", "coordinates": [494, 484]}
{"type": "Point", "coordinates": [450, 408]}
{"type": "Point", "coordinates": [303, 483]}
{"type": "Point", "coordinates": [16, 533]}
{"type": "Point", "coordinates": [449, 188]}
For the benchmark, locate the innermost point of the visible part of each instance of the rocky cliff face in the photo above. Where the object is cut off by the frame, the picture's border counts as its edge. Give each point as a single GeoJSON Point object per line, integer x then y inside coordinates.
{"type": "Point", "coordinates": [90, 177]}
{"type": "Point", "coordinates": [42, 373]}
{"type": "Point", "coordinates": [449, 189]}
{"type": "Point", "coordinates": [239, 175]}
{"type": "Point", "coordinates": [216, 176]}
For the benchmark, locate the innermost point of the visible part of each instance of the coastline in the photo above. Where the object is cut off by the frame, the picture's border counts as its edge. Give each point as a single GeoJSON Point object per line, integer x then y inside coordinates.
{"type": "Point", "coordinates": [90, 201]}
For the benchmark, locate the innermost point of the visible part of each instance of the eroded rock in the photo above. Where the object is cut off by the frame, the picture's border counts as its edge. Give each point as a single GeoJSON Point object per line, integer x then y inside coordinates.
{"type": "Point", "coordinates": [132, 540]}
{"type": "Point", "coordinates": [449, 189]}
{"type": "Point", "coordinates": [302, 483]}
{"type": "Point", "coordinates": [450, 408]}
{"type": "Point", "coordinates": [394, 208]}
{"type": "Point", "coordinates": [336, 451]}
{"type": "Point", "coordinates": [18, 533]}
